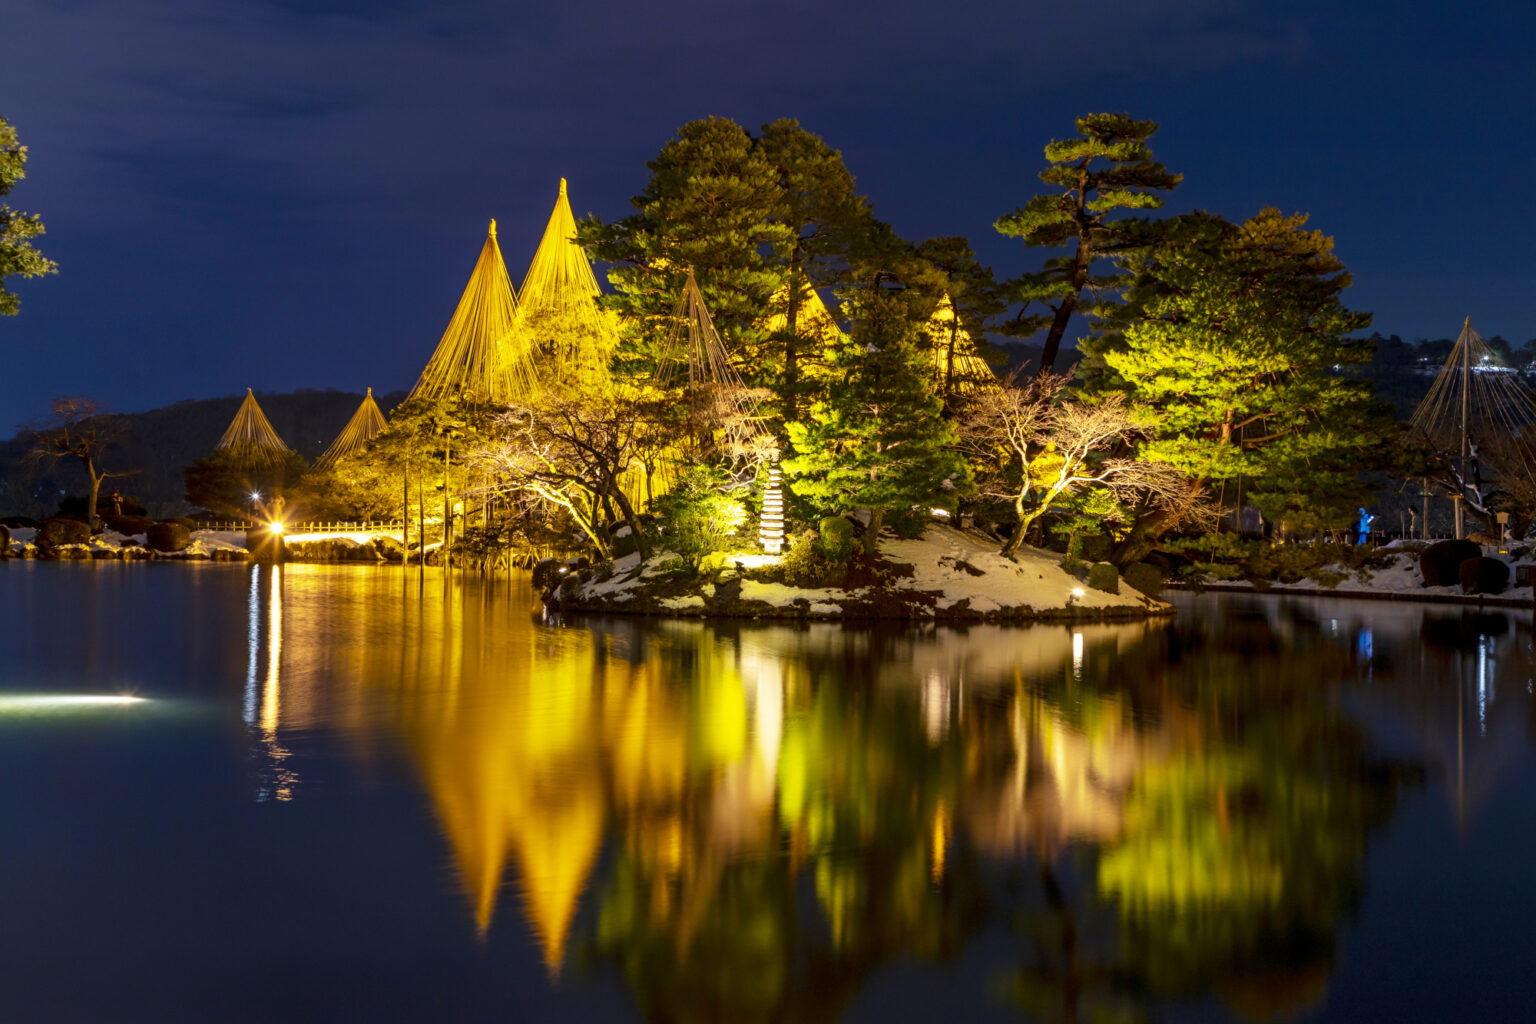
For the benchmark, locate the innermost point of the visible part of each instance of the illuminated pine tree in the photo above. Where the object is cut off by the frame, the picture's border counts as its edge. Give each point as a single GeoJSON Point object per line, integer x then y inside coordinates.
{"type": "Point", "coordinates": [1238, 348]}
{"type": "Point", "coordinates": [876, 440]}
{"type": "Point", "coordinates": [1108, 168]}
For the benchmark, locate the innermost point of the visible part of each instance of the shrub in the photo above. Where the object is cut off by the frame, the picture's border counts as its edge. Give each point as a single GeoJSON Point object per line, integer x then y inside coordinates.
{"type": "Point", "coordinates": [168, 536]}
{"type": "Point", "coordinates": [1482, 575]}
{"type": "Point", "coordinates": [1096, 546]}
{"type": "Point", "coordinates": [5, 541]}
{"type": "Point", "coordinates": [699, 519]}
{"type": "Point", "coordinates": [58, 532]}
{"type": "Point", "coordinates": [1439, 563]}
{"type": "Point", "coordinates": [1104, 576]}
{"type": "Point", "coordinates": [836, 540]}
{"type": "Point", "coordinates": [801, 565]}
{"type": "Point", "coordinates": [1144, 577]}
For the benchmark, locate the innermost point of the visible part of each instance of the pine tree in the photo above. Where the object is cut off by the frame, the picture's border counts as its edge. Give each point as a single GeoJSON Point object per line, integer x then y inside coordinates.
{"type": "Point", "coordinates": [1240, 347]}
{"type": "Point", "coordinates": [714, 203]}
{"type": "Point", "coordinates": [1106, 169]}
{"type": "Point", "coordinates": [876, 440]}
{"type": "Point", "coordinates": [825, 217]}
{"type": "Point", "coordinates": [18, 257]}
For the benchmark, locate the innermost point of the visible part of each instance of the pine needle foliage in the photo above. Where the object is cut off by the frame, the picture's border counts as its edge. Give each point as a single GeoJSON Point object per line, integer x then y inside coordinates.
{"type": "Point", "coordinates": [876, 439]}
{"type": "Point", "coordinates": [18, 256]}
{"type": "Point", "coordinates": [1237, 351]}
{"type": "Point", "coordinates": [1103, 173]}
{"type": "Point", "coordinates": [713, 205]}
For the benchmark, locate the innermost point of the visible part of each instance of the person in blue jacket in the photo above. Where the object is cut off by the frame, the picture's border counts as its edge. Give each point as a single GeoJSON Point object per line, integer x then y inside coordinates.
{"type": "Point", "coordinates": [1363, 528]}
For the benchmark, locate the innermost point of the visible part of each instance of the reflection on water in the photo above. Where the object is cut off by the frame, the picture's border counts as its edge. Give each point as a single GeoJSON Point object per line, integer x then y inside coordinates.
{"type": "Point", "coordinates": [1264, 808]}
{"type": "Point", "coordinates": [747, 821]}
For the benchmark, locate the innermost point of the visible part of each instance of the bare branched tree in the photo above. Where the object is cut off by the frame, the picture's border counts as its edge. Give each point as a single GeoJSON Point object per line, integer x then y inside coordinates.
{"type": "Point", "coordinates": [576, 451]}
{"type": "Point", "coordinates": [80, 429]}
{"type": "Point", "coordinates": [1044, 445]}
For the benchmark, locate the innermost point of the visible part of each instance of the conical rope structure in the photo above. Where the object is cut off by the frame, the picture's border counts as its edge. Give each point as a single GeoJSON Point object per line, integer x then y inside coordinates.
{"type": "Point", "coordinates": [721, 403]}
{"type": "Point", "coordinates": [251, 435]}
{"type": "Point", "coordinates": [1474, 409]}
{"type": "Point", "coordinates": [365, 425]}
{"type": "Point", "coordinates": [558, 301]}
{"type": "Point", "coordinates": [482, 354]}
{"type": "Point", "coordinates": [953, 361]}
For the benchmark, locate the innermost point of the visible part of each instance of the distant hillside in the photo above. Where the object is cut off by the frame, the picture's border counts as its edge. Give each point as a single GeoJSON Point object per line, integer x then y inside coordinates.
{"type": "Point", "coordinates": [160, 442]}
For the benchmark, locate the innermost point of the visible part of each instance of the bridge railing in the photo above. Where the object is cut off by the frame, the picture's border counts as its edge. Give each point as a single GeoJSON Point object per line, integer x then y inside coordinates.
{"type": "Point", "coordinates": [326, 526]}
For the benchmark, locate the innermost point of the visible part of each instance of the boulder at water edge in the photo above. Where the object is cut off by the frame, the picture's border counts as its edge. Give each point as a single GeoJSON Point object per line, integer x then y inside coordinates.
{"type": "Point", "coordinates": [1483, 576]}
{"type": "Point", "coordinates": [1439, 563]}
{"type": "Point", "coordinates": [168, 537]}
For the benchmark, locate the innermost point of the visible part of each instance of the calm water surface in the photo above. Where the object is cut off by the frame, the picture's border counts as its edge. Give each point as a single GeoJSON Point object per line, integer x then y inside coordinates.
{"type": "Point", "coordinates": [353, 794]}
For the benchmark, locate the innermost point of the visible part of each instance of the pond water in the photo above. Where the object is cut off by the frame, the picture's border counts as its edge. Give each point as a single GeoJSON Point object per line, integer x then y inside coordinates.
{"type": "Point", "coordinates": [350, 793]}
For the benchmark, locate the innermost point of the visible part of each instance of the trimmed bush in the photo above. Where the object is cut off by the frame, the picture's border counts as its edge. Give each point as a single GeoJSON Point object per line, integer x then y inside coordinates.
{"type": "Point", "coordinates": [58, 532]}
{"type": "Point", "coordinates": [5, 541]}
{"type": "Point", "coordinates": [836, 539]}
{"type": "Point", "coordinates": [1439, 563]}
{"type": "Point", "coordinates": [1483, 576]}
{"type": "Point", "coordinates": [1145, 578]}
{"type": "Point", "coordinates": [1104, 576]}
{"type": "Point", "coordinates": [168, 536]}
{"type": "Point", "coordinates": [1096, 546]}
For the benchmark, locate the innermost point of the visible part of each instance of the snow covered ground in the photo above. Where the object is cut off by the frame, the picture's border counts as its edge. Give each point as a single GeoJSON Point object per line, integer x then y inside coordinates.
{"type": "Point", "coordinates": [948, 573]}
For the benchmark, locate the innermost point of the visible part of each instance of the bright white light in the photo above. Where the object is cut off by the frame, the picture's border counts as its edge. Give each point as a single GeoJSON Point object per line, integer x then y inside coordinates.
{"type": "Point", "coordinates": [255, 495]}
{"type": "Point", "coordinates": [275, 527]}
{"type": "Point", "coordinates": [1077, 656]}
{"type": "Point", "coordinates": [45, 701]}
{"type": "Point", "coordinates": [1077, 591]}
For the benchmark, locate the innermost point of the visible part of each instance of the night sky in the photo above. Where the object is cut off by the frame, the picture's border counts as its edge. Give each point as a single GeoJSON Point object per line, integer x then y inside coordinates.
{"type": "Point", "coordinates": [286, 194]}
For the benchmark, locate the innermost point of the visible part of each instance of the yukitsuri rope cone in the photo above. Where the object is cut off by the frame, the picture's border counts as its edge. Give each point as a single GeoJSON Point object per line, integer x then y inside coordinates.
{"type": "Point", "coordinates": [1473, 395]}
{"type": "Point", "coordinates": [250, 433]}
{"type": "Point", "coordinates": [954, 365]}
{"type": "Point", "coordinates": [558, 302]}
{"type": "Point", "coordinates": [482, 354]}
{"type": "Point", "coordinates": [1478, 415]}
{"type": "Point", "coordinates": [365, 425]}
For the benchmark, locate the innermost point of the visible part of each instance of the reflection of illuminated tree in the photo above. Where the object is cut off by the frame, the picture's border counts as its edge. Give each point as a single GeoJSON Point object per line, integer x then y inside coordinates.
{"type": "Point", "coordinates": [715, 926]}
{"type": "Point", "coordinates": [780, 813]}
{"type": "Point", "coordinates": [1243, 851]}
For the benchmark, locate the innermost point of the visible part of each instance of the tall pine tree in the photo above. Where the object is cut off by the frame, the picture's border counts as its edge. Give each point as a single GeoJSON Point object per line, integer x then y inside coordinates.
{"type": "Point", "coordinates": [714, 202]}
{"type": "Point", "coordinates": [824, 217]}
{"type": "Point", "coordinates": [1239, 349]}
{"type": "Point", "coordinates": [1107, 169]}
{"type": "Point", "coordinates": [876, 439]}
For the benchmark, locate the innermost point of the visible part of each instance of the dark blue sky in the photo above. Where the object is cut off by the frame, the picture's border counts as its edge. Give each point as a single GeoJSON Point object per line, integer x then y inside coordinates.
{"type": "Point", "coordinates": [284, 194]}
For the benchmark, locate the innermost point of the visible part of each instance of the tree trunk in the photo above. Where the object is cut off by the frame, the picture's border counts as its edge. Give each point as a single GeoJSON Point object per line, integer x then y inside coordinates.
{"type": "Point", "coordinates": [872, 532]}
{"type": "Point", "coordinates": [633, 522]}
{"type": "Point", "coordinates": [1080, 264]}
{"type": "Point", "coordinates": [791, 351]}
{"type": "Point", "coordinates": [90, 518]}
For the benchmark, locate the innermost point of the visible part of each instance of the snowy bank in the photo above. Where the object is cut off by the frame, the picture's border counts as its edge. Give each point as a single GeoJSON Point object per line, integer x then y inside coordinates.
{"type": "Point", "coordinates": [948, 573]}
